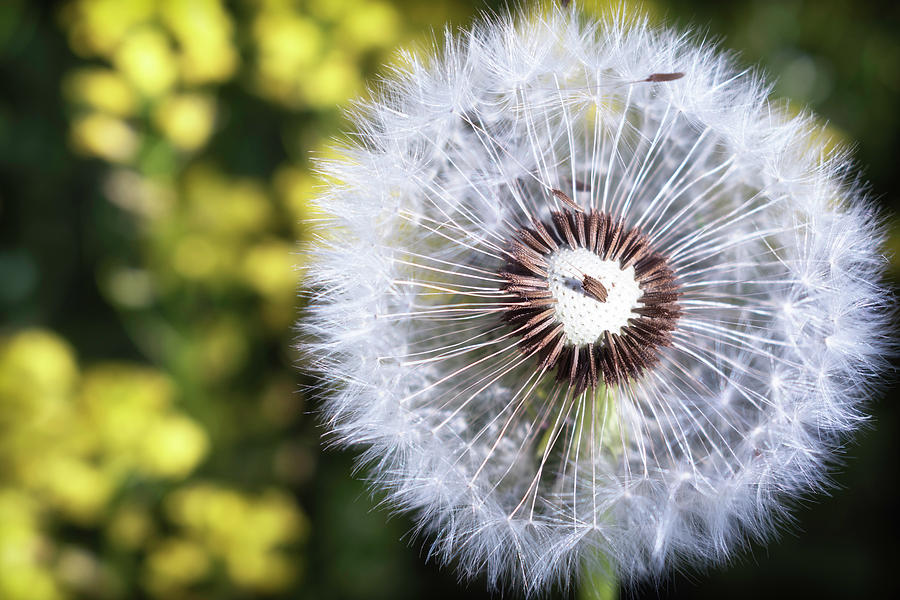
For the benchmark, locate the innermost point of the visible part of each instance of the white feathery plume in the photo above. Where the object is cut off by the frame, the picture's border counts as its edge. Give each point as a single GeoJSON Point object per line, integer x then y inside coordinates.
{"type": "Point", "coordinates": [584, 290]}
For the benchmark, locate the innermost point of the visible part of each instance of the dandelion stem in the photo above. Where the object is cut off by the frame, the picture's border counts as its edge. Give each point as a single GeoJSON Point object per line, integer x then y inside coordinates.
{"type": "Point", "coordinates": [598, 582]}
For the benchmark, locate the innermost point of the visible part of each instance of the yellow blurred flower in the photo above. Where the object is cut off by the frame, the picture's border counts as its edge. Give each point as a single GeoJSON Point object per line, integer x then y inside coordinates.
{"type": "Point", "coordinates": [203, 30]}
{"type": "Point", "coordinates": [98, 26]}
{"type": "Point", "coordinates": [19, 522]}
{"type": "Point", "coordinates": [36, 367]}
{"type": "Point", "coordinates": [198, 505]}
{"type": "Point", "coordinates": [224, 205]}
{"type": "Point", "coordinates": [29, 583]}
{"type": "Point", "coordinates": [332, 81]}
{"type": "Point", "coordinates": [269, 268]}
{"type": "Point", "coordinates": [108, 387]}
{"type": "Point", "coordinates": [172, 446]}
{"type": "Point", "coordinates": [104, 136]}
{"type": "Point", "coordinates": [201, 232]}
{"type": "Point", "coordinates": [288, 46]}
{"type": "Point", "coordinates": [175, 563]}
{"type": "Point", "coordinates": [243, 531]}
{"type": "Point", "coordinates": [24, 552]}
{"type": "Point", "coordinates": [266, 572]}
{"type": "Point", "coordinates": [370, 25]}
{"type": "Point", "coordinates": [294, 187]}
{"type": "Point", "coordinates": [146, 58]}
{"type": "Point", "coordinates": [75, 487]}
{"type": "Point", "coordinates": [128, 409]}
{"type": "Point", "coordinates": [212, 63]}
{"type": "Point", "coordinates": [197, 257]}
{"type": "Point", "coordinates": [186, 119]}
{"type": "Point", "coordinates": [119, 401]}
{"type": "Point", "coordinates": [102, 89]}
{"type": "Point", "coordinates": [273, 519]}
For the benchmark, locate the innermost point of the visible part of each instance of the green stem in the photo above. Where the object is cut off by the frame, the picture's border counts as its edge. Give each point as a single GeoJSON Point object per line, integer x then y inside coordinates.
{"type": "Point", "coordinates": [598, 579]}
{"type": "Point", "coordinates": [598, 582]}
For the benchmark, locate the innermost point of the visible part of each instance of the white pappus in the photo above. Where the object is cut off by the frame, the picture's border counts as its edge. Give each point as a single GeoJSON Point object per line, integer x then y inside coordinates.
{"type": "Point", "coordinates": [582, 290]}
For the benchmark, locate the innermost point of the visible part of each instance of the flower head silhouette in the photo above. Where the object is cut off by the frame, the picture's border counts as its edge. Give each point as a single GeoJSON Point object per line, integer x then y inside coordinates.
{"type": "Point", "coordinates": [583, 289]}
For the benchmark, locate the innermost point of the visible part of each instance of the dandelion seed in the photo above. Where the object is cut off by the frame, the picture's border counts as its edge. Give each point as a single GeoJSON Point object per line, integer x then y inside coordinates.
{"type": "Point", "coordinates": [584, 292]}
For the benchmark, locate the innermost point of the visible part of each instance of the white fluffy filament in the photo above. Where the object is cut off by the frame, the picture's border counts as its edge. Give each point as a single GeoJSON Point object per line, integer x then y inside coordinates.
{"type": "Point", "coordinates": [515, 474]}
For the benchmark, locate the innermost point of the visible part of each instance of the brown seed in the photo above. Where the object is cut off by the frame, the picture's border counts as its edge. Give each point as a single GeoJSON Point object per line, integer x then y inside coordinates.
{"type": "Point", "coordinates": [660, 77]}
{"type": "Point", "coordinates": [567, 200]}
{"type": "Point", "coordinates": [561, 220]}
{"type": "Point", "coordinates": [594, 288]}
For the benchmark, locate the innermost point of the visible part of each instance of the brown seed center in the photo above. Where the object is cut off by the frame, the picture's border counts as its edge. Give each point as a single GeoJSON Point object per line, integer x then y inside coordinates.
{"type": "Point", "coordinates": [618, 353]}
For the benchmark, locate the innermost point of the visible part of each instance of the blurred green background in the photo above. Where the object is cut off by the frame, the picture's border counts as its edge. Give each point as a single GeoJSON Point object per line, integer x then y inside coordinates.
{"type": "Point", "coordinates": [155, 441]}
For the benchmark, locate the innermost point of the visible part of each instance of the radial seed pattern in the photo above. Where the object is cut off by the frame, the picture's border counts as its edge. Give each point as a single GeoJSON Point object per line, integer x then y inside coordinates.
{"type": "Point", "coordinates": [618, 355]}
{"type": "Point", "coordinates": [678, 421]}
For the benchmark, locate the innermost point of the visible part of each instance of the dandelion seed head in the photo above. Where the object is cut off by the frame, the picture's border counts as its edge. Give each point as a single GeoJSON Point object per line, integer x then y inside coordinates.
{"type": "Point", "coordinates": [583, 290]}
